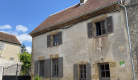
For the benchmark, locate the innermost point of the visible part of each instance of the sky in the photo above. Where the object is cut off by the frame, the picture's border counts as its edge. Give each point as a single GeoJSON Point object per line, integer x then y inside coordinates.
{"type": "Point", "coordinates": [20, 17]}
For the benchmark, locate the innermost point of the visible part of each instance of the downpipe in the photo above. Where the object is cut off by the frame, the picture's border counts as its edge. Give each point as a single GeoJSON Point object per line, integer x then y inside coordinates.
{"type": "Point", "coordinates": [129, 39]}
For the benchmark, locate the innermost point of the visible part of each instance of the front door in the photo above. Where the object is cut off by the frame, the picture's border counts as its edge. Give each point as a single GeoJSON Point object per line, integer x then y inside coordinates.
{"type": "Point", "coordinates": [104, 71]}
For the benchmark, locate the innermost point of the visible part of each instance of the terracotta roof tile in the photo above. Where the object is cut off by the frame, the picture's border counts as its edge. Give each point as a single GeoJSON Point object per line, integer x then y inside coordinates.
{"type": "Point", "coordinates": [9, 38]}
{"type": "Point", "coordinates": [73, 11]}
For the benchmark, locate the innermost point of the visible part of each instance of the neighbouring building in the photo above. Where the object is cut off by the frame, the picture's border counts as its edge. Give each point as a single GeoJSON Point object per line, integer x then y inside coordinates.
{"type": "Point", "coordinates": [87, 41]}
{"type": "Point", "coordinates": [9, 47]}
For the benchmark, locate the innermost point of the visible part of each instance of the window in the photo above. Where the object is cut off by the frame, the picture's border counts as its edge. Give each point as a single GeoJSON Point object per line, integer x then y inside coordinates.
{"type": "Point", "coordinates": [2, 46]}
{"type": "Point", "coordinates": [82, 72]}
{"type": "Point", "coordinates": [48, 67]}
{"type": "Point", "coordinates": [55, 67]}
{"type": "Point", "coordinates": [41, 69]}
{"type": "Point", "coordinates": [55, 40]}
{"type": "Point", "coordinates": [11, 58]}
{"type": "Point", "coordinates": [104, 71]}
{"type": "Point", "coordinates": [100, 28]}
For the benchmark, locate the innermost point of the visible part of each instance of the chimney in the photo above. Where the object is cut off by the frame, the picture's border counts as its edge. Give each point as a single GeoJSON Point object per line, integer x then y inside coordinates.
{"type": "Point", "coordinates": [82, 2]}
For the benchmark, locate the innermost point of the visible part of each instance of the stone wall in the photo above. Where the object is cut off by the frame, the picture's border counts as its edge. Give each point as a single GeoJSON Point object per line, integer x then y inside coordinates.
{"type": "Point", "coordinates": [10, 67]}
{"type": "Point", "coordinates": [77, 47]}
{"type": "Point", "coordinates": [132, 9]}
{"type": "Point", "coordinates": [10, 50]}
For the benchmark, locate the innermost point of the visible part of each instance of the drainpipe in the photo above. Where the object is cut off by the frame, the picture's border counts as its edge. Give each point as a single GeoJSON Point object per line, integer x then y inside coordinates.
{"type": "Point", "coordinates": [129, 39]}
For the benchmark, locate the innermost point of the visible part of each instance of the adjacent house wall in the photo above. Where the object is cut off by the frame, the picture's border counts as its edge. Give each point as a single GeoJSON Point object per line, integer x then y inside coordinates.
{"type": "Point", "coordinates": [10, 50]}
{"type": "Point", "coordinates": [77, 47]}
{"type": "Point", "coordinates": [132, 9]}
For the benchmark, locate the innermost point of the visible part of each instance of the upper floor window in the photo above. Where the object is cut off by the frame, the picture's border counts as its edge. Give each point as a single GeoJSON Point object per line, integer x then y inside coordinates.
{"type": "Point", "coordinates": [54, 40]}
{"type": "Point", "coordinates": [101, 27]}
{"type": "Point", "coordinates": [2, 46]}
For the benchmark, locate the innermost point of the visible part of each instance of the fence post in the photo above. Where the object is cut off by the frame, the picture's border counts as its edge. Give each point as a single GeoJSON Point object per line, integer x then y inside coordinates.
{"type": "Point", "coordinates": [16, 71]}
{"type": "Point", "coordinates": [1, 72]}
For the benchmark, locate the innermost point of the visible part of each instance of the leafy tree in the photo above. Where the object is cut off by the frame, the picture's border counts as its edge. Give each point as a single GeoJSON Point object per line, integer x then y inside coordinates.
{"type": "Point", "coordinates": [23, 48]}
{"type": "Point", "coordinates": [25, 58]}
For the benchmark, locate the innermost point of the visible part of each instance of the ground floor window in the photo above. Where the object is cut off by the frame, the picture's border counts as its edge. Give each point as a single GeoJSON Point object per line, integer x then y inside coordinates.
{"type": "Point", "coordinates": [82, 72]}
{"type": "Point", "coordinates": [41, 68]}
{"type": "Point", "coordinates": [104, 71]}
{"type": "Point", "coordinates": [55, 67]}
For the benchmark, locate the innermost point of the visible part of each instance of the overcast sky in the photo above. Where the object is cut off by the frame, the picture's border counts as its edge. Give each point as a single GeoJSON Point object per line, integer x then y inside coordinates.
{"type": "Point", "coordinates": [20, 17]}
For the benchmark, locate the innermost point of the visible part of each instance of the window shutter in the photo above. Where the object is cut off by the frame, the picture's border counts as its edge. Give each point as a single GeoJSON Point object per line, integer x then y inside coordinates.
{"type": "Point", "coordinates": [59, 38]}
{"type": "Point", "coordinates": [75, 71]}
{"type": "Point", "coordinates": [90, 29]}
{"type": "Point", "coordinates": [36, 68]}
{"type": "Point", "coordinates": [109, 24]}
{"type": "Point", "coordinates": [47, 68]}
{"type": "Point", "coordinates": [60, 66]}
{"type": "Point", "coordinates": [88, 71]}
{"type": "Point", "coordinates": [49, 41]}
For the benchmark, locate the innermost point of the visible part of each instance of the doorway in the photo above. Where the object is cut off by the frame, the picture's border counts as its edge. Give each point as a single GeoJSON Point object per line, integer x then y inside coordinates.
{"type": "Point", "coordinates": [104, 71]}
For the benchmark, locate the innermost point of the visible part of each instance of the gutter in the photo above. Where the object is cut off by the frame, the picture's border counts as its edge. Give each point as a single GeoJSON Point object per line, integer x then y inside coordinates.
{"type": "Point", "coordinates": [72, 18]}
{"type": "Point", "coordinates": [128, 39]}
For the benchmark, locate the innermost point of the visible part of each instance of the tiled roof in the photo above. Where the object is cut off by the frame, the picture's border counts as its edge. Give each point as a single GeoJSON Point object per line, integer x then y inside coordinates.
{"type": "Point", "coordinates": [72, 12]}
{"type": "Point", "coordinates": [9, 38]}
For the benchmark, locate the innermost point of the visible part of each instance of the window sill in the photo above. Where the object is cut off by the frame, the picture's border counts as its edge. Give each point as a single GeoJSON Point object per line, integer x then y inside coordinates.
{"type": "Point", "coordinates": [104, 35]}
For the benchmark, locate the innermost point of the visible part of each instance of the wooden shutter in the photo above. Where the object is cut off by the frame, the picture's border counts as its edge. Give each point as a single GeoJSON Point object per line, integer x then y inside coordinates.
{"type": "Point", "coordinates": [59, 38]}
{"type": "Point", "coordinates": [109, 24]}
{"type": "Point", "coordinates": [35, 68]}
{"type": "Point", "coordinates": [75, 71]}
{"type": "Point", "coordinates": [90, 29]}
{"type": "Point", "coordinates": [88, 71]}
{"type": "Point", "coordinates": [47, 68]}
{"type": "Point", "coordinates": [60, 66]}
{"type": "Point", "coordinates": [49, 41]}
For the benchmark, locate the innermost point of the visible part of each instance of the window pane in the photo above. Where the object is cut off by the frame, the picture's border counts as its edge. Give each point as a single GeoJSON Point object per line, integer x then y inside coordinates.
{"type": "Point", "coordinates": [103, 27]}
{"type": "Point", "coordinates": [98, 29]}
{"type": "Point", "coordinates": [55, 67]}
{"type": "Point", "coordinates": [84, 66]}
{"type": "Point", "coordinates": [102, 67]}
{"type": "Point", "coordinates": [107, 73]}
{"type": "Point", "coordinates": [103, 74]}
{"type": "Point", "coordinates": [107, 67]}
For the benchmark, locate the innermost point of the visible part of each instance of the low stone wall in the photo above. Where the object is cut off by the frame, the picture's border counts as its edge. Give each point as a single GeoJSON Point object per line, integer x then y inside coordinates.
{"type": "Point", "coordinates": [9, 67]}
{"type": "Point", "coordinates": [1, 71]}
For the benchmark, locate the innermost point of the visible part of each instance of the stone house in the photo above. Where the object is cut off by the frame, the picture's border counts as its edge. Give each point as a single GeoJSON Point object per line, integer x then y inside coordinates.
{"type": "Point", "coordinates": [87, 41]}
{"type": "Point", "coordinates": [9, 47]}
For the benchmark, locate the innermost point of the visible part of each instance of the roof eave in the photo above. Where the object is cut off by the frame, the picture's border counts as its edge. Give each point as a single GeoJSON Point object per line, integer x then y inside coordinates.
{"type": "Point", "coordinates": [71, 18]}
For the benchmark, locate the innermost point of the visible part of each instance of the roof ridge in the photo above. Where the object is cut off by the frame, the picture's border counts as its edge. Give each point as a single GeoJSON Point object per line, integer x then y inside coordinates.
{"type": "Point", "coordinates": [7, 33]}
{"type": "Point", "coordinates": [63, 9]}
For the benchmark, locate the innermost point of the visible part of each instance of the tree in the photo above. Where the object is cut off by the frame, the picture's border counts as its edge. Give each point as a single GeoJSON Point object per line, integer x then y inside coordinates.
{"type": "Point", "coordinates": [23, 48]}
{"type": "Point", "coordinates": [25, 58]}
